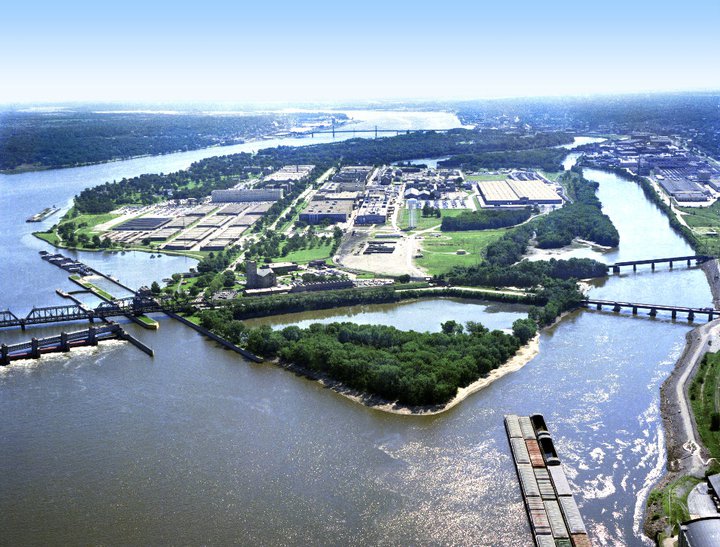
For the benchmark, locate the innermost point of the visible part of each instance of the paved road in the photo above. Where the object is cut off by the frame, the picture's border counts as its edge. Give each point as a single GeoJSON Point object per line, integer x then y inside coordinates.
{"type": "Point", "coordinates": [699, 502]}
{"type": "Point", "coordinates": [704, 338]}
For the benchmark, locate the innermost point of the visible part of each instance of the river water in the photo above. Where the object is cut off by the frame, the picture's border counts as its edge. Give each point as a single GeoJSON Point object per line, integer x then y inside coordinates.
{"type": "Point", "coordinates": [195, 445]}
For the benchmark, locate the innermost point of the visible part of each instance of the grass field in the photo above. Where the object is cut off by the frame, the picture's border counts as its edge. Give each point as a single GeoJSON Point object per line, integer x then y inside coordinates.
{"type": "Point", "coordinates": [487, 176]}
{"type": "Point", "coordinates": [301, 256]}
{"type": "Point", "coordinates": [423, 223]}
{"type": "Point", "coordinates": [703, 217]}
{"type": "Point", "coordinates": [705, 223]}
{"type": "Point", "coordinates": [86, 223]}
{"type": "Point", "coordinates": [705, 401]}
{"type": "Point", "coordinates": [440, 253]}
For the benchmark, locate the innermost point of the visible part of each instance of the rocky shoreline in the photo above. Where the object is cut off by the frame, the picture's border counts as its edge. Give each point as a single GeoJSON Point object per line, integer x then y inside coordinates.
{"type": "Point", "coordinates": [678, 424]}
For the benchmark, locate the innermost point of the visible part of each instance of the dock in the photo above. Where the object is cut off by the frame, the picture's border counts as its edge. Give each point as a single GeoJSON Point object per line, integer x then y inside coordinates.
{"type": "Point", "coordinates": [555, 519]}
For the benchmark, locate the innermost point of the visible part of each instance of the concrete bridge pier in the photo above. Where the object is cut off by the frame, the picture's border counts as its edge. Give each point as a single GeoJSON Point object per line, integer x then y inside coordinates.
{"type": "Point", "coordinates": [634, 310]}
{"type": "Point", "coordinates": [598, 307]}
{"type": "Point", "coordinates": [671, 264]}
{"type": "Point", "coordinates": [674, 314]}
{"type": "Point", "coordinates": [689, 262]}
{"type": "Point", "coordinates": [92, 336]}
{"type": "Point", "coordinates": [617, 308]}
{"type": "Point", "coordinates": [634, 267]}
{"type": "Point", "coordinates": [4, 358]}
{"type": "Point", "coordinates": [616, 269]}
{"type": "Point", "coordinates": [691, 316]}
{"type": "Point", "coordinates": [64, 345]}
{"type": "Point", "coordinates": [653, 312]}
{"type": "Point", "coordinates": [34, 348]}
{"type": "Point", "coordinates": [652, 265]}
{"type": "Point", "coordinates": [710, 316]}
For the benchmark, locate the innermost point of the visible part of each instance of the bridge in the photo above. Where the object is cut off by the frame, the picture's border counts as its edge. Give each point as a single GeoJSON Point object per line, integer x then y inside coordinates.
{"type": "Point", "coordinates": [376, 131]}
{"type": "Point", "coordinates": [653, 309]}
{"type": "Point", "coordinates": [699, 259]}
{"type": "Point", "coordinates": [134, 305]}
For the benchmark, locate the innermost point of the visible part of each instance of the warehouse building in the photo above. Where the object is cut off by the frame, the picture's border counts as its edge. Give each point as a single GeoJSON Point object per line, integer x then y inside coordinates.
{"type": "Point", "coordinates": [518, 192]}
{"type": "Point", "coordinates": [320, 210]}
{"type": "Point", "coordinates": [235, 195]}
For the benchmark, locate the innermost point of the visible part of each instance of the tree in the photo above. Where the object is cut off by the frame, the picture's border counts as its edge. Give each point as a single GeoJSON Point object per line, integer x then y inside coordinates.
{"type": "Point", "coordinates": [228, 279]}
{"type": "Point", "coordinates": [155, 288]}
{"type": "Point", "coordinates": [524, 330]}
{"type": "Point", "coordinates": [451, 327]}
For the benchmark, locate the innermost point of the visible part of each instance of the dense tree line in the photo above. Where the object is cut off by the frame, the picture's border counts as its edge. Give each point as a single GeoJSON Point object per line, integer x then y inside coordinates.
{"type": "Point", "coordinates": [413, 368]}
{"type": "Point", "coordinates": [485, 219]}
{"type": "Point", "coordinates": [547, 159]}
{"type": "Point", "coordinates": [259, 306]}
{"type": "Point", "coordinates": [69, 138]}
{"type": "Point", "coordinates": [525, 274]}
{"type": "Point", "coordinates": [415, 145]}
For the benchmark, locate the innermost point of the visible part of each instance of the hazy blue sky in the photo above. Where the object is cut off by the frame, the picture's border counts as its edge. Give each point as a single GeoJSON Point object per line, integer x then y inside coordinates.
{"type": "Point", "coordinates": [317, 50]}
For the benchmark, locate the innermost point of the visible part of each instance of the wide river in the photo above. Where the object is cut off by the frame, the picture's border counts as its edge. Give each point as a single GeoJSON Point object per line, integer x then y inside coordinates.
{"type": "Point", "coordinates": [195, 445]}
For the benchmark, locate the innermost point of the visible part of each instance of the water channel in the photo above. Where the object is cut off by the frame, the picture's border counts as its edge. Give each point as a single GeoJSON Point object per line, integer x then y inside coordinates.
{"type": "Point", "coordinates": [107, 445]}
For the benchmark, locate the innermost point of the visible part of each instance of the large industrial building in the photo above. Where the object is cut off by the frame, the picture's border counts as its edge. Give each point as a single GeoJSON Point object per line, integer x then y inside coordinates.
{"type": "Point", "coordinates": [237, 195]}
{"type": "Point", "coordinates": [333, 211]}
{"type": "Point", "coordinates": [290, 173]}
{"type": "Point", "coordinates": [518, 192]}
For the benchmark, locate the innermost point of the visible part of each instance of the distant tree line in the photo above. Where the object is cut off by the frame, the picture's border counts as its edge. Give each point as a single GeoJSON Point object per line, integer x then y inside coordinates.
{"type": "Point", "coordinates": [547, 159]}
{"type": "Point", "coordinates": [69, 138]}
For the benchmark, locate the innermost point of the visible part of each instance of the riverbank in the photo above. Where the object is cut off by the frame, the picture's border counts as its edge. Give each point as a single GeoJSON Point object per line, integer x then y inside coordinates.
{"type": "Point", "coordinates": [684, 450]}
{"type": "Point", "coordinates": [521, 358]}
{"type": "Point", "coordinates": [712, 272]}
{"type": "Point", "coordinates": [685, 453]}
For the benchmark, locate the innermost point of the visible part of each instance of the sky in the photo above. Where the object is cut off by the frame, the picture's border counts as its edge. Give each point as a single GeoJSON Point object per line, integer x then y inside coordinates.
{"type": "Point", "coordinates": [332, 51]}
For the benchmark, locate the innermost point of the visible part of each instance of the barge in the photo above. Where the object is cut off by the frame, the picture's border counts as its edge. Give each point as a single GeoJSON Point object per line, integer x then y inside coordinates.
{"type": "Point", "coordinates": [42, 215]}
{"type": "Point", "coordinates": [555, 519]}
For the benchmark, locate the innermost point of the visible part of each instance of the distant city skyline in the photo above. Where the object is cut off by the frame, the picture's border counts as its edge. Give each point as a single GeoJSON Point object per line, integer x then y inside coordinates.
{"type": "Point", "coordinates": [323, 51]}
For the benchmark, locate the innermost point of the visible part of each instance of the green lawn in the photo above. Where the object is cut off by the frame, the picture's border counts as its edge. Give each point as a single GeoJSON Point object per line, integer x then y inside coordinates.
{"type": "Point", "coordinates": [301, 256]}
{"type": "Point", "coordinates": [487, 176]}
{"type": "Point", "coordinates": [51, 237]}
{"type": "Point", "coordinates": [91, 221]}
{"type": "Point", "coordinates": [440, 253]}
{"type": "Point", "coordinates": [705, 401]}
{"type": "Point", "coordinates": [705, 223]}
{"type": "Point", "coordinates": [148, 322]}
{"type": "Point", "coordinates": [423, 223]}
{"type": "Point", "coordinates": [702, 217]}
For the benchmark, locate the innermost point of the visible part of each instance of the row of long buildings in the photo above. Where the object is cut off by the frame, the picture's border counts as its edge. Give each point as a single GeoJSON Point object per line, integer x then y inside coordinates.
{"type": "Point", "coordinates": [683, 175]}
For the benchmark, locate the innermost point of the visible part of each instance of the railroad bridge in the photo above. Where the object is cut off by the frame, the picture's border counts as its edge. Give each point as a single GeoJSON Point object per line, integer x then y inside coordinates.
{"type": "Point", "coordinates": [652, 309]}
{"type": "Point", "coordinates": [699, 259]}
{"type": "Point", "coordinates": [134, 305]}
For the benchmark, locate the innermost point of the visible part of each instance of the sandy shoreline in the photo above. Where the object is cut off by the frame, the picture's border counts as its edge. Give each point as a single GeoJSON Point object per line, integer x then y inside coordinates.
{"type": "Point", "coordinates": [523, 356]}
